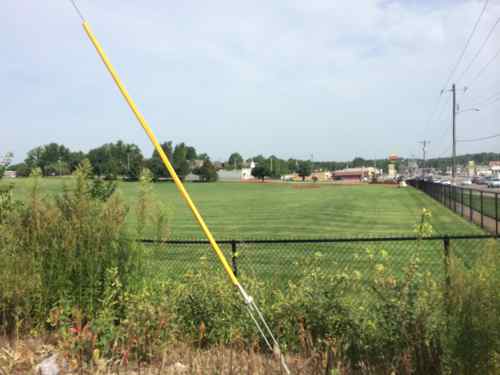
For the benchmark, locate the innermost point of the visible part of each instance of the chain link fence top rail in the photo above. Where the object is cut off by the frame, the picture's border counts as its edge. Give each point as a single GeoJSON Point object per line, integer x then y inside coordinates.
{"type": "Point", "coordinates": [284, 261]}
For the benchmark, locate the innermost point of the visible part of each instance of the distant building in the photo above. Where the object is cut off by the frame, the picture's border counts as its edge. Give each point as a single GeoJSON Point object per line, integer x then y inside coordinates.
{"type": "Point", "coordinates": [391, 170]}
{"type": "Point", "coordinates": [218, 165]}
{"type": "Point", "coordinates": [191, 178]}
{"type": "Point", "coordinates": [355, 174]}
{"type": "Point", "coordinates": [237, 174]}
{"type": "Point", "coordinates": [246, 173]}
{"type": "Point", "coordinates": [410, 168]}
{"type": "Point", "coordinates": [234, 175]}
{"type": "Point", "coordinates": [197, 163]}
{"type": "Point", "coordinates": [471, 168]}
{"type": "Point", "coordinates": [10, 174]}
{"type": "Point", "coordinates": [495, 167]}
{"type": "Point", "coordinates": [289, 177]}
{"type": "Point", "coordinates": [483, 170]}
{"type": "Point", "coordinates": [321, 175]}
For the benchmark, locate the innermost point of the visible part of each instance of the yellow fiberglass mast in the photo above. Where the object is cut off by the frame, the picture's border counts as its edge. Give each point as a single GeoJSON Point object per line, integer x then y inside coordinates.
{"type": "Point", "coordinates": [253, 309]}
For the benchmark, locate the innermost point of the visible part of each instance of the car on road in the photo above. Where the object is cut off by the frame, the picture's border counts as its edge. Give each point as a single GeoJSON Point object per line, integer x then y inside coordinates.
{"type": "Point", "coordinates": [479, 180]}
{"type": "Point", "coordinates": [445, 182]}
{"type": "Point", "coordinates": [482, 181]}
{"type": "Point", "coordinates": [466, 182]}
{"type": "Point", "coordinates": [494, 183]}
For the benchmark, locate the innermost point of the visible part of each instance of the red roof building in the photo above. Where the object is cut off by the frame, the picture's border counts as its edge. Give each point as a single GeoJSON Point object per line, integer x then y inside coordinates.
{"type": "Point", "coordinates": [354, 174]}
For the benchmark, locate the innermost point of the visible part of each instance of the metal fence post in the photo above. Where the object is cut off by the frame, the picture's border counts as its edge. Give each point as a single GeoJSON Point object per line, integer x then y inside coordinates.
{"type": "Point", "coordinates": [470, 204]}
{"type": "Point", "coordinates": [462, 200]}
{"type": "Point", "coordinates": [454, 189]}
{"type": "Point", "coordinates": [234, 255]}
{"type": "Point", "coordinates": [496, 214]}
{"type": "Point", "coordinates": [481, 198]}
{"type": "Point", "coordinates": [447, 280]}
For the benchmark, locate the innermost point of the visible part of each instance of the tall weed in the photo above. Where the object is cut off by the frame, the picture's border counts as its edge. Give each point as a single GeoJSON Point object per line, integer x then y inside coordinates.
{"type": "Point", "coordinates": [473, 336]}
{"type": "Point", "coordinates": [61, 250]}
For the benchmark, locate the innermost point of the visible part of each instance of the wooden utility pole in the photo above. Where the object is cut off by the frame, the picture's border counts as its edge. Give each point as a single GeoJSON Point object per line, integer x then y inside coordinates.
{"type": "Point", "coordinates": [424, 144]}
{"type": "Point", "coordinates": [454, 149]}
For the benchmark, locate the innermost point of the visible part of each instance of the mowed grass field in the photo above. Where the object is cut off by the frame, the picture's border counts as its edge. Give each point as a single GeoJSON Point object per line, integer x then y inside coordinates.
{"type": "Point", "coordinates": [245, 211]}
{"type": "Point", "coordinates": [285, 210]}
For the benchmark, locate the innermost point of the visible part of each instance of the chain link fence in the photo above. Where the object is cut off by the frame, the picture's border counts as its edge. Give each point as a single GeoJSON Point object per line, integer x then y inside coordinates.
{"type": "Point", "coordinates": [478, 206]}
{"type": "Point", "coordinates": [283, 261]}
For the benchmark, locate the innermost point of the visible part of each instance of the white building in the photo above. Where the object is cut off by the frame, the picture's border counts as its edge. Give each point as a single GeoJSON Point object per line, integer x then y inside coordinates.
{"type": "Point", "coordinates": [483, 170]}
{"type": "Point", "coordinates": [246, 173]}
{"type": "Point", "coordinates": [237, 174]}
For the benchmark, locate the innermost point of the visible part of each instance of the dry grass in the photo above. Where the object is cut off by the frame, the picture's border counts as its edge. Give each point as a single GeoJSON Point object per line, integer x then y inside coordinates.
{"type": "Point", "coordinates": [23, 357]}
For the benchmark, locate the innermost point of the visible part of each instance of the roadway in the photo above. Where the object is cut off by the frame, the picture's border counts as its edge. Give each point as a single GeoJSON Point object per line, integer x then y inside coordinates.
{"type": "Point", "coordinates": [477, 187]}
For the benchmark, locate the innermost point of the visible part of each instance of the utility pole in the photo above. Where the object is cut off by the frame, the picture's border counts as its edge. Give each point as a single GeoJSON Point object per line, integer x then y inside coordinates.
{"type": "Point", "coordinates": [454, 132]}
{"type": "Point", "coordinates": [424, 144]}
{"type": "Point", "coordinates": [454, 149]}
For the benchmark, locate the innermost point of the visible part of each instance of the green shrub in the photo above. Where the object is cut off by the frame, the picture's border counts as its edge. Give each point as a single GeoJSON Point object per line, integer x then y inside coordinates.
{"type": "Point", "coordinates": [60, 250]}
{"type": "Point", "coordinates": [473, 335]}
{"type": "Point", "coordinates": [69, 267]}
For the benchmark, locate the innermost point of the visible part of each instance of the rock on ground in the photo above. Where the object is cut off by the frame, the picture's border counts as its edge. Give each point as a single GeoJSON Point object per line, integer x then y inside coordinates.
{"type": "Point", "coordinates": [48, 366]}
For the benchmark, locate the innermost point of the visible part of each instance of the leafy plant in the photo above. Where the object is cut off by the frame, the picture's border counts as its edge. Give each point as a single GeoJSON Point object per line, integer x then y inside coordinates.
{"type": "Point", "coordinates": [61, 250]}
{"type": "Point", "coordinates": [473, 338]}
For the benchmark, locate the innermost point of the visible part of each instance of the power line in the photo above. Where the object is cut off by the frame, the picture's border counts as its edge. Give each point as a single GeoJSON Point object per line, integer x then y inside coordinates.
{"type": "Point", "coordinates": [487, 100]}
{"type": "Point", "coordinates": [479, 139]}
{"type": "Point", "coordinates": [443, 152]}
{"type": "Point", "coordinates": [433, 112]}
{"type": "Point", "coordinates": [490, 33]}
{"type": "Point", "coordinates": [444, 139]}
{"type": "Point", "coordinates": [453, 70]}
{"type": "Point", "coordinates": [424, 150]}
{"type": "Point", "coordinates": [439, 116]}
{"type": "Point", "coordinates": [490, 103]}
{"type": "Point", "coordinates": [444, 135]}
{"type": "Point", "coordinates": [483, 69]}
{"type": "Point", "coordinates": [467, 43]}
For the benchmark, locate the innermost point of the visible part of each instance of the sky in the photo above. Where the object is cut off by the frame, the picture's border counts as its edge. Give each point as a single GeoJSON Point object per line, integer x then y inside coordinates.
{"type": "Point", "coordinates": [325, 79]}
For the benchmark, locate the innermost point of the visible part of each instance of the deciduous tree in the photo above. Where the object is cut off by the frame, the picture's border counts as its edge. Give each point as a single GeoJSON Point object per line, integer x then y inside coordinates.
{"type": "Point", "coordinates": [180, 161]}
{"type": "Point", "coordinates": [44, 156]}
{"type": "Point", "coordinates": [155, 164]}
{"type": "Point", "coordinates": [4, 162]}
{"type": "Point", "coordinates": [235, 161]}
{"type": "Point", "coordinates": [304, 169]}
{"type": "Point", "coordinates": [207, 172]}
{"type": "Point", "coordinates": [117, 159]}
{"type": "Point", "coordinates": [261, 172]}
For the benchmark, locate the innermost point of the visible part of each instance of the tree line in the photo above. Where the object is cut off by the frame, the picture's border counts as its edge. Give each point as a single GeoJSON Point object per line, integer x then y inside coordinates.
{"type": "Point", "coordinates": [482, 158]}
{"type": "Point", "coordinates": [117, 160]}
{"type": "Point", "coordinates": [126, 160]}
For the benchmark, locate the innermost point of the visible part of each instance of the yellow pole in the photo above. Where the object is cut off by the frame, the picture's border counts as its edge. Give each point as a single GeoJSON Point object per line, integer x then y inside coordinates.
{"type": "Point", "coordinates": [163, 157]}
